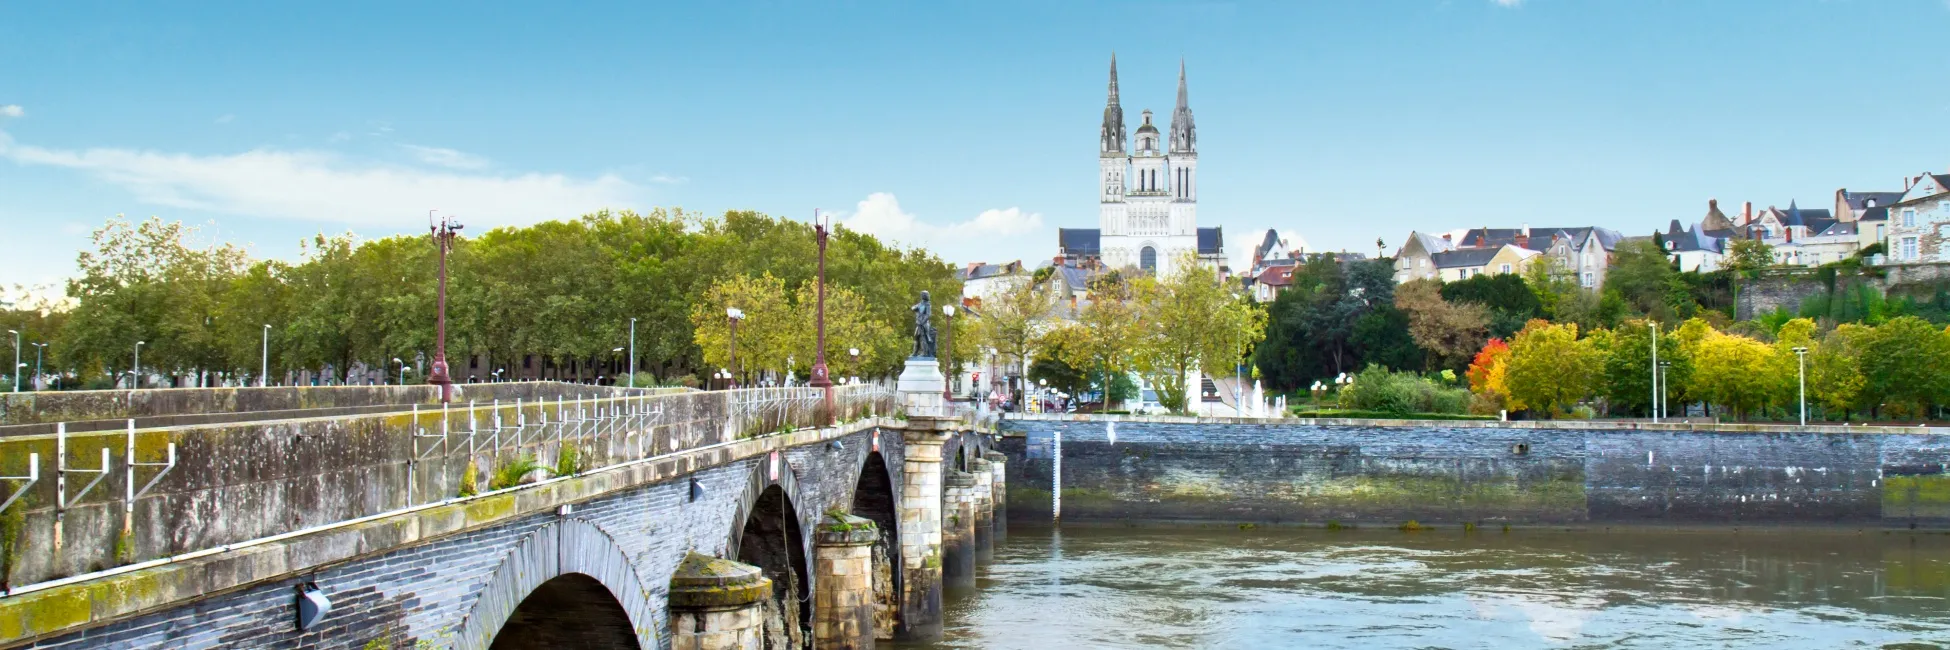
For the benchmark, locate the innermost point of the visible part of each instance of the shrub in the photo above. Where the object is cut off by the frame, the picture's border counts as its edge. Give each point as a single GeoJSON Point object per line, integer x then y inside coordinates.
{"type": "Point", "coordinates": [510, 474]}
{"type": "Point", "coordinates": [1401, 393]}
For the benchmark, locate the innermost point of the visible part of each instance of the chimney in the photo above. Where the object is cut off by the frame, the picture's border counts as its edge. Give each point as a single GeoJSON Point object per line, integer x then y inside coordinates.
{"type": "Point", "coordinates": [1712, 204]}
{"type": "Point", "coordinates": [1058, 260]}
{"type": "Point", "coordinates": [1746, 212]}
{"type": "Point", "coordinates": [1447, 237]}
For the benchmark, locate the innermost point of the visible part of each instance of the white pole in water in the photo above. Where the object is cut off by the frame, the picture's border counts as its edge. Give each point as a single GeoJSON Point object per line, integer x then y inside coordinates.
{"type": "Point", "coordinates": [1056, 479]}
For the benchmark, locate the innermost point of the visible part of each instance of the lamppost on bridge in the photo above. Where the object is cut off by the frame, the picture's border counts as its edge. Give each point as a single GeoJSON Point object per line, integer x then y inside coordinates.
{"type": "Point", "coordinates": [632, 353]}
{"type": "Point", "coordinates": [947, 353]}
{"type": "Point", "coordinates": [1801, 366]}
{"type": "Point", "coordinates": [497, 375]}
{"type": "Point", "coordinates": [402, 371]}
{"type": "Point", "coordinates": [39, 349]}
{"type": "Point", "coordinates": [822, 226]}
{"type": "Point", "coordinates": [135, 373]}
{"type": "Point", "coordinates": [443, 239]}
{"type": "Point", "coordinates": [734, 315]}
{"type": "Point", "coordinates": [264, 365]}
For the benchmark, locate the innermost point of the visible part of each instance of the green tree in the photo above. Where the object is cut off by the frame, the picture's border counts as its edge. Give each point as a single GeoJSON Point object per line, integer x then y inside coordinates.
{"type": "Point", "coordinates": [1729, 370]}
{"type": "Point", "coordinates": [1506, 296]}
{"type": "Point", "coordinates": [1451, 333]}
{"type": "Point", "coordinates": [1189, 321]}
{"type": "Point", "coordinates": [1550, 368]}
{"type": "Point", "coordinates": [1903, 362]}
{"type": "Point", "coordinates": [1628, 367]}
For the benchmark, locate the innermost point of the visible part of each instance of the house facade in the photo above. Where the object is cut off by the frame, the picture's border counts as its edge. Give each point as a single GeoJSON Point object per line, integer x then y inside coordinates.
{"type": "Point", "coordinates": [1919, 223]}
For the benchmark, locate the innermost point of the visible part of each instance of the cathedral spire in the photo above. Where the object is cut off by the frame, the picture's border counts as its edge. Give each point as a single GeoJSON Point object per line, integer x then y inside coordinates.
{"type": "Point", "coordinates": [1184, 137]}
{"type": "Point", "coordinates": [1111, 134]}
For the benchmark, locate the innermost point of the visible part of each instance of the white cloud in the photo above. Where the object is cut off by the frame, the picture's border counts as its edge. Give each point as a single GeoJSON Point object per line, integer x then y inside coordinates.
{"type": "Point", "coordinates": [12, 110]}
{"type": "Point", "coordinates": [880, 215]}
{"type": "Point", "coordinates": [1507, 3]}
{"type": "Point", "coordinates": [669, 179]}
{"type": "Point", "coordinates": [324, 186]}
{"type": "Point", "coordinates": [448, 158]}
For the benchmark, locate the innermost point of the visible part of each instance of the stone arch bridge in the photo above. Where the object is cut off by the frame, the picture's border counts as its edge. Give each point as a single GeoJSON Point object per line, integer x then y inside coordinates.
{"type": "Point", "coordinates": [755, 518]}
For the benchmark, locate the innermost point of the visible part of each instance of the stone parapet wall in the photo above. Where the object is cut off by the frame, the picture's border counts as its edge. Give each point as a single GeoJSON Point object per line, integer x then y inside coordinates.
{"type": "Point", "coordinates": [1289, 471]}
{"type": "Point", "coordinates": [243, 481]}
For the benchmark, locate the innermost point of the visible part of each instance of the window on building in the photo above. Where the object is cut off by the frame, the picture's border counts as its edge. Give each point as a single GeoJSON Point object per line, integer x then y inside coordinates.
{"type": "Point", "coordinates": [1148, 259]}
{"type": "Point", "coordinates": [1505, 269]}
{"type": "Point", "coordinates": [1881, 231]}
{"type": "Point", "coordinates": [1590, 279]}
{"type": "Point", "coordinates": [1909, 217]}
{"type": "Point", "coordinates": [1909, 248]}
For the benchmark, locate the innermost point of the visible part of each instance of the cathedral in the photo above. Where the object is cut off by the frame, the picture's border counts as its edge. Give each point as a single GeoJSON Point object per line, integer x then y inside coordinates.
{"type": "Point", "coordinates": [1147, 198]}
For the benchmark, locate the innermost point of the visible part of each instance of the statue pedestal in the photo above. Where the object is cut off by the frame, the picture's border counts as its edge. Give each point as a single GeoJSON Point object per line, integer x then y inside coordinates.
{"type": "Point", "coordinates": [921, 386]}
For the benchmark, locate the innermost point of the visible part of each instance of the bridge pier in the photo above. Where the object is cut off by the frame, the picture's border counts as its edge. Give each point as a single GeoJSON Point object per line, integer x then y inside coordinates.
{"type": "Point", "coordinates": [999, 495]}
{"type": "Point", "coordinates": [717, 604]}
{"type": "Point", "coordinates": [920, 528]}
{"type": "Point", "coordinates": [843, 604]}
{"type": "Point", "coordinates": [958, 537]}
{"type": "Point", "coordinates": [983, 541]}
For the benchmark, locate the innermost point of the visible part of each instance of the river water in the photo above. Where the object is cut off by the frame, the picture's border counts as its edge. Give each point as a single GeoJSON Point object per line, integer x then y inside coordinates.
{"type": "Point", "coordinates": [1099, 587]}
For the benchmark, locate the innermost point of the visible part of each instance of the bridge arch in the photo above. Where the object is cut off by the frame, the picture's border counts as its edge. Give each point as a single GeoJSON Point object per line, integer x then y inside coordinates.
{"type": "Point", "coordinates": [875, 497]}
{"type": "Point", "coordinates": [566, 582]}
{"type": "Point", "coordinates": [768, 533]}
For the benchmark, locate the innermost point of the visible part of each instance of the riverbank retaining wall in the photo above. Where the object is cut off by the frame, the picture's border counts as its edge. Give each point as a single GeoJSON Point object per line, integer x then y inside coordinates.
{"type": "Point", "coordinates": [1178, 469]}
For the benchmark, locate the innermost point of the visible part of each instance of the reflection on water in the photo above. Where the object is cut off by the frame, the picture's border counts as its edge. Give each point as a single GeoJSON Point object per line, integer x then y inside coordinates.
{"type": "Point", "coordinates": [1443, 588]}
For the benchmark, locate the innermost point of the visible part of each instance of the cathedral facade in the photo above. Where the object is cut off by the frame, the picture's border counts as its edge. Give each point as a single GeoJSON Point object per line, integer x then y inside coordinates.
{"type": "Point", "coordinates": [1147, 196]}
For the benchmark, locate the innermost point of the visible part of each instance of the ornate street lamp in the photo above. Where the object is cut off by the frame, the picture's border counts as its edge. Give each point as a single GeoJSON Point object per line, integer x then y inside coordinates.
{"type": "Point", "coordinates": [856, 363]}
{"type": "Point", "coordinates": [821, 228]}
{"type": "Point", "coordinates": [443, 239]}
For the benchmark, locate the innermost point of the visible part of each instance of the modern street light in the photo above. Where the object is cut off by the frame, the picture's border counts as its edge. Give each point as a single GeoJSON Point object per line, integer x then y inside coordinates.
{"type": "Point", "coordinates": [947, 352]}
{"type": "Point", "coordinates": [734, 315]}
{"type": "Point", "coordinates": [39, 349]}
{"type": "Point", "coordinates": [632, 353]}
{"type": "Point", "coordinates": [1801, 364]}
{"type": "Point", "coordinates": [497, 374]}
{"type": "Point", "coordinates": [1665, 390]}
{"type": "Point", "coordinates": [1655, 372]}
{"type": "Point", "coordinates": [16, 334]}
{"type": "Point", "coordinates": [402, 371]}
{"type": "Point", "coordinates": [264, 369]}
{"type": "Point", "coordinates": [135, 374]}
{"type": "Point", "coordinates": [822, 226]}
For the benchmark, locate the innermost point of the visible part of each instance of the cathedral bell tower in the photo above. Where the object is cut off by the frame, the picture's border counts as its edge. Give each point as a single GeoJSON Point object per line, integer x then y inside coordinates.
{"type": "Point", "coordinates": [1112, 158]}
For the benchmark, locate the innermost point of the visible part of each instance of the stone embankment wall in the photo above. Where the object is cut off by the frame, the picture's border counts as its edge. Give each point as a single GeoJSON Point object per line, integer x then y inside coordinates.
{"type": "Point", "coordinates": [88, 405]}
{"type": "Point", "coordinates": [1173, 469]}
{"type": "Point", "coordinates": [1787, 290]}
{"type": "Point", "coordinates": [241, 481]}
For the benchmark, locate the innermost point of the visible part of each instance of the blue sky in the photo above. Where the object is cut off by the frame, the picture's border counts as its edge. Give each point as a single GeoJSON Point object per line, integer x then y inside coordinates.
{"type": "Point", "coordinates": [968, 128]}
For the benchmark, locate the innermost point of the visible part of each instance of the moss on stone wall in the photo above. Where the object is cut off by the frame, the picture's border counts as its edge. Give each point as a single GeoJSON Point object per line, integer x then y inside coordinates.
{"type": "Point", "coordinates": [1926, 496]}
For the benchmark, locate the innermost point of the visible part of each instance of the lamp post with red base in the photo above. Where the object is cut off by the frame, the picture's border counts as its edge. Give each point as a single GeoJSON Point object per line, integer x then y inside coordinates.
{"type": "Point", "coordinates": [821, 379]}
{"type": "Point", "coordinates": [443, 238]}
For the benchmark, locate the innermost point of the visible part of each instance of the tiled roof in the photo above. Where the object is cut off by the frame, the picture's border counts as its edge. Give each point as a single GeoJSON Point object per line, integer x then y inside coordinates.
{"type": "Point", "coordinates": [1079, 241]}
{"type": "Point", "coordinates": [1463, 257]}
{"type": "Point", "coordinates": [1860, 200]}
{"type": "Point", "coordinates": [1211, 241]}
{"type": "Point", "coordinates": [1278, 276]}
